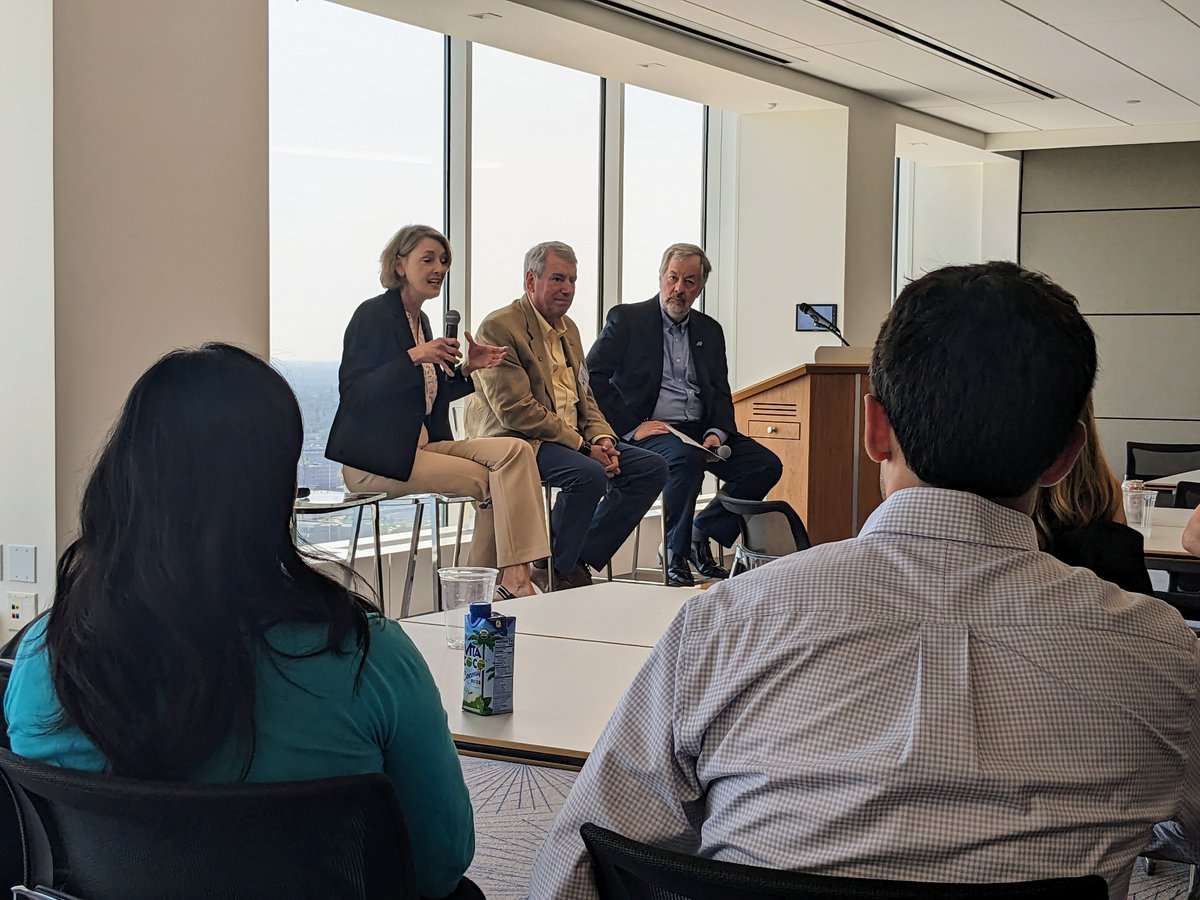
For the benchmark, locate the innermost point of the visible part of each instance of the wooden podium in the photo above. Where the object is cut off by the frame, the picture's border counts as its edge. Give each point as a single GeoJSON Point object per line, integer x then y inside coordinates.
{"type": "Point", "coordinates": [811, 417]}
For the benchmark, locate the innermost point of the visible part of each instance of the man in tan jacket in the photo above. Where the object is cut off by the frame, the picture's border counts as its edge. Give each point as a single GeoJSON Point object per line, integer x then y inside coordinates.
{"type": "Point", "coordinates": [540, 392]}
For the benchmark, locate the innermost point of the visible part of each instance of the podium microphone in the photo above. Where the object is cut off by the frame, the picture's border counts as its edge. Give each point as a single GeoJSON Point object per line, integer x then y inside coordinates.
{"type": "Point", "coordinates": [821, 322]}
{"type": "Point", "coordinates": [453, 317]}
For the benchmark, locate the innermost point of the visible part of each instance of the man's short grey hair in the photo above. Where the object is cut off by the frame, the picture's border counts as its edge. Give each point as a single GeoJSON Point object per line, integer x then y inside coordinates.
{"type": "Point", "coordinates": [535, 259]}
{"type": "Point", "coordinates": [685, 251]}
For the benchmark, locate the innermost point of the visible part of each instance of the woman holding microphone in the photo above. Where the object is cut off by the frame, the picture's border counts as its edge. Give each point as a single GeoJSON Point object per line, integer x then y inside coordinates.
{"type": "Point", "coordinates": [392, 428]}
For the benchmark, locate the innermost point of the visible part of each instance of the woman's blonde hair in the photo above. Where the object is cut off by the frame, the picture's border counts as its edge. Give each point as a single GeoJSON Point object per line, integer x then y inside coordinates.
{"type": "Point", "coordinates": [1089, 493]}
{"type": "Point", "coordinates": [404, 242]}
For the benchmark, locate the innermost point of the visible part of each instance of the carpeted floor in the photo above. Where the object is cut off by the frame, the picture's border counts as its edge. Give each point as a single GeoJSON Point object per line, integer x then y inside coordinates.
{"type": "Point", "coordinates": [516, 804]}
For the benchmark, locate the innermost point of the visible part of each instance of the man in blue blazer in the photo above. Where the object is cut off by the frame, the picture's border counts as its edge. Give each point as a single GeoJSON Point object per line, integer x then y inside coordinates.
{"type": "Point", "coordinates": [659, 369]}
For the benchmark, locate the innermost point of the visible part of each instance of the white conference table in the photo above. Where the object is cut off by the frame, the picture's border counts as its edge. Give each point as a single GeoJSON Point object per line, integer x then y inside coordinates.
{"type": "Point", "coordinates": [1170, 482]}
{"type": "Point", "coordinates": [1166, 532]}
{"type": "Point", "coordinates": [576, 653]}
{"type": "Point", "coordinates": [607, 612]}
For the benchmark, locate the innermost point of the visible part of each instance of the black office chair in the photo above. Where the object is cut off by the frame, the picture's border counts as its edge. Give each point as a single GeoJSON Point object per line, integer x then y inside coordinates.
{"type": "Point", "coordinates": [630, 870]}
{"type": "Point", "coordinates": [770, 529]}
{"type": "Point", "coordinates": [102, 837]}
{"type": "Point", "coordinates": [41, 892]}
{"type": "Point", "coordinates": [1187, 495]}
{"type": "Point", "coordinates": [1150, 461]}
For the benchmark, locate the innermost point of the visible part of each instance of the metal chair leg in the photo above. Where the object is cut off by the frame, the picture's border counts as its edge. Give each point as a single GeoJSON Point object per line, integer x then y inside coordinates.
{"type": "Point", "coordinates": [462, 514]}
{"type": "Point", "coordinates": [378, 555]}
{"type": "Point", "coordinates": [354, 541]}
{"type": "Point", "coordinates": [637, 546]}
{"type": "Point", "coordinates": [435, 535]}
{"type": "Point", "coordinates": [662, 521]}
{"type": "Point", "coordinates": [411, 570]}
{"type": "Point", "coordinates": [550, 537]}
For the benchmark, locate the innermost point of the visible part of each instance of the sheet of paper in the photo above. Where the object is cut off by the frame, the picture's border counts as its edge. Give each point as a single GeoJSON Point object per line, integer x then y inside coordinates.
{"type": "Point", "coordinates": [687, 440]}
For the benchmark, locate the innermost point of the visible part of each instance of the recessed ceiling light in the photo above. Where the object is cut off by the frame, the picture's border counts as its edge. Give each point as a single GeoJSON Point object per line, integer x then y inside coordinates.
{"type": "Point", "coordinates": [1133, 101]}
{"type": "Point", "coordinates": [651, 65]}
{"type": "Point", "coordinates": [484, 16]}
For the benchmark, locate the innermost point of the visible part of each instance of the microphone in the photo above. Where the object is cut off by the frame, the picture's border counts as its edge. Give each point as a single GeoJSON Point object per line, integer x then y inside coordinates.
{"type": "Point", "coordinates": [453, 317]}
{"type": "Point", "coordinates": [821, 322]}
{"type": "Point", "coordinates": [723, 451]}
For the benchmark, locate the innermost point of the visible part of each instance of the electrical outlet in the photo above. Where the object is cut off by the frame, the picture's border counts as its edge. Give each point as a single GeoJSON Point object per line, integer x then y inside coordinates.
{"type": "Point", "coordinates": [22, 607]}
{"type": "Point", "coordinates": [22, 563]}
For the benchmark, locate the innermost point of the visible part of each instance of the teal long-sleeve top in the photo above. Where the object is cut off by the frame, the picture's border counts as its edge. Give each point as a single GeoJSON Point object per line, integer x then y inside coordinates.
{"type": "Point", "coordinates": [311, 723]}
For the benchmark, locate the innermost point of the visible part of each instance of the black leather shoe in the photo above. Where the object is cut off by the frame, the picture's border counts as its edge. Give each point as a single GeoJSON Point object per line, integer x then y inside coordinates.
{"type": "Point", "coordinates": [702, 559]}
{"type": "Point", "coordinates": [679, 573]}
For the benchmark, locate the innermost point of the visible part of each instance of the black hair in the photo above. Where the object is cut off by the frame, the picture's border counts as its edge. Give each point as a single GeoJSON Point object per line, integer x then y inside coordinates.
{"type": "Point", "coordinates": [184, 561]}
{"type": "Point", "coordinates": [983, 371]}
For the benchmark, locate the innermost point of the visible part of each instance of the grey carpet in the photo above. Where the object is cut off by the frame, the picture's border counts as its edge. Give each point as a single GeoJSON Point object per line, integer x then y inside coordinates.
{"type": "Point", "coordinates": [516, 804]}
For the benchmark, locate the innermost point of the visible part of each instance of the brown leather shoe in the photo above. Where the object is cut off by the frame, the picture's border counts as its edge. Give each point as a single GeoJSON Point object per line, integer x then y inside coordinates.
{"type": "Point", "coordinates": [580, 576]}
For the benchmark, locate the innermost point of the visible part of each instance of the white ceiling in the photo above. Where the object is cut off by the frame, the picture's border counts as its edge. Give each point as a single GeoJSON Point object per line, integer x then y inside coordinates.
{"type": "Point", "coordinates": [1108, 63]}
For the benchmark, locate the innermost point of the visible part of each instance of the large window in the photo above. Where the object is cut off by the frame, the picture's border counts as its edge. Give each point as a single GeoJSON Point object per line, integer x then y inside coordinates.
{"type": "Point", "coordinates": [535, 171]}
{"type": "Point", "coordinates": [664, 184]}
{"type": "Point", "coordinates": [356, 151]}
{"type": "Point", "coordinates": [358, 105]}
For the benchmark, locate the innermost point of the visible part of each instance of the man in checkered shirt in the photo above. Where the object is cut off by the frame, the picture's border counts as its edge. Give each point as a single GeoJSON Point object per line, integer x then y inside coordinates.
{"type": "Point", "coordinates": [935, 699]}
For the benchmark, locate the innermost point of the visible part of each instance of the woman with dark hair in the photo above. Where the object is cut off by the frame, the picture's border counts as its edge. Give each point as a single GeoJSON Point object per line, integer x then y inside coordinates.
{"type": "Point", "coordinates": [189, 640]}
{"type": "Point", "coordinates": [1081, 520]}
{"type": "Point", "coordinates": [392, 428]}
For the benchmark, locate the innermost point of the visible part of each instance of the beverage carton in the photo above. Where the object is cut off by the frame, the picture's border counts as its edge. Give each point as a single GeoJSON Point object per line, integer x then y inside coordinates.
{"type": "Point", "coordinates": [488, 646]}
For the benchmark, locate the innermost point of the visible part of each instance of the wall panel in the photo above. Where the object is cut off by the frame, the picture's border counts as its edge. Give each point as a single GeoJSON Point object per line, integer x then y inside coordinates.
{"type": "Point", "coordinates": [1120, 228]}
{"type": "Point", "coordinates": [1131, 261]}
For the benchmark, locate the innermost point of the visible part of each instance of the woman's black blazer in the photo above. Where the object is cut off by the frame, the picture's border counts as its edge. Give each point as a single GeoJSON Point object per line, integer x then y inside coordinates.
{"type": "Point", "coordinates": [382, 393]}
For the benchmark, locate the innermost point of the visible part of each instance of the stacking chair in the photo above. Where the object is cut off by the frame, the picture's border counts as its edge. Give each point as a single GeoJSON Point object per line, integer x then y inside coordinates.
{"type": "Point", "coordinates": [630, 870]}
{"type": "Point", "coordinates": [1150, 461]}
{"type": "Point", "coordinates": [770, 529]}
{"type": "Point", "coordinates": [548, 492]}
{"type": "Point", "coordinates": [1187, 495]}
{"type": "Point", "coordinates": [102, 837]}
{"type": "Point", "coordinates": [437, 504]}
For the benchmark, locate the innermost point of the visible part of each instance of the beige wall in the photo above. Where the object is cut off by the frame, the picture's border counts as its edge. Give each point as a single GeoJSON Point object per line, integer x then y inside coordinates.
{"type": "Point", "coordinates": [27, 302]}
{"type": "Point", "coordinates": [785, 242]}
{"type": "Point", "coordinates": [870, 219]}
{"type": "Point", "coordinates": [1119, 227]}
{"type": "Point", "coordinates": [160, 201]}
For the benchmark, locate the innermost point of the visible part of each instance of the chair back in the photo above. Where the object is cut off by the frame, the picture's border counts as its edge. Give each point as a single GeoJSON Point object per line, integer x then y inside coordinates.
{"type": "Point", "coordinates": [770, 529]}
{"type": "Point", "coordinates": [108, 838]}
{"type": "Point", "coordinates": [630, 870]}
{"type": "Point", "coordinates": [1187, 495]}
{"type": "Point", "coordinates": [1150, 461]}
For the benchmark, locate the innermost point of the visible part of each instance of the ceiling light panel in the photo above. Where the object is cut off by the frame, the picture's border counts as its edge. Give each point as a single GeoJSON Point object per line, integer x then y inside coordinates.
{"type": "Point", "coordinates": [880, 84]}
{"type": "Point", "coordinates": [933, 17]}
{"type": "Point", "coordinates": [979, 119]}
{"type": "Point", "coordinates": [714, 22]}
{"type": "Point", "coordinates": [1059, 113]}
{"type": "Point", "coordinates": [930, 70]}
{"type": "Point", "coordinates": [1069, 12]}
{"type": "Point", "coordinates": [1166, 49]}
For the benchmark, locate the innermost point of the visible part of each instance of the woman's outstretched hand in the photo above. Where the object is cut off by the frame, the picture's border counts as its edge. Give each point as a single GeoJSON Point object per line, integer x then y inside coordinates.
{"type": "Point", "coordinates": [481, 356]}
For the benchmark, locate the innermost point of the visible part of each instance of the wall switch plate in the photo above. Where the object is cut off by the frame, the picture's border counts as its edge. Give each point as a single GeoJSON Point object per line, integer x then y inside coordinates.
{"type": "Point", "coordinates": [22, 563]}
{"type": "Point", "coordinates": [21, 610]}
